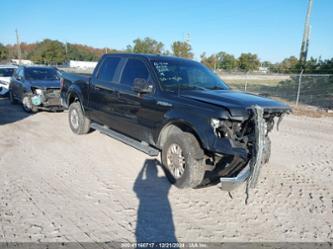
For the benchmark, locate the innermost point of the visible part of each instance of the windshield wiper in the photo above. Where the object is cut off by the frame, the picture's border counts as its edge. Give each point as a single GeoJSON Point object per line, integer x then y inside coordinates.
{"type": "Point", "coordinates": [186, 87]}
{"type": "Point", "coordinates": [198, 87]}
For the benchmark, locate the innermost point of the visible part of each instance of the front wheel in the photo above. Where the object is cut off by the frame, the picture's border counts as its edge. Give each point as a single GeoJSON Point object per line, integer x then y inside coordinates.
{"type": "Point", "coordinates": [183, 160]}
{"type": "Point", "coordinates": [27, 105]}
{"type": "Point", "coordinates": [78, 122]}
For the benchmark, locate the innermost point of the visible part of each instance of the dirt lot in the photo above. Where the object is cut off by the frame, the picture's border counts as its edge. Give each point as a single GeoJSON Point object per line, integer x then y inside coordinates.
{"type": "Point", "coordinates": [56, 186]}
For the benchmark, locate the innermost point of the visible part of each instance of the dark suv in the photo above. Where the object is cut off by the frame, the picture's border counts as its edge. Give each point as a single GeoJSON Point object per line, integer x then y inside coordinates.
{"type": "Point", "coordinates": [206, 132]}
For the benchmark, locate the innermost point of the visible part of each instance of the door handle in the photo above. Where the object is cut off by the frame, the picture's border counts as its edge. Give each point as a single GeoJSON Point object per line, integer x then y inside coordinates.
{"type": "Point", "coordinates": [101, 87]}
{"type": "Point", "coordinates": [97, 88]}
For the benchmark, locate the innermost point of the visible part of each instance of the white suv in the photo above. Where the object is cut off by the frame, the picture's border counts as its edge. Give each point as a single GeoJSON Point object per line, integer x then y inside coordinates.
{"type": "Point", "coordinates": [6, 72]}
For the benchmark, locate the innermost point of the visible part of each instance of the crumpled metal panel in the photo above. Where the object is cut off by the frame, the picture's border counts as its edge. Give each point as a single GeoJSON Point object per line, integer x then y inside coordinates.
{"type": "Point", "coordinates": [258, 148]}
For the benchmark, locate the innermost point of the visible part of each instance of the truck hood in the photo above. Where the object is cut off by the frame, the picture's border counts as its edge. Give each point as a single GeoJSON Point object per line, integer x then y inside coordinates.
{"type": "Point", "coordinates": [235, 101]}
{"type": "Point", "coordinates": [44, 84]}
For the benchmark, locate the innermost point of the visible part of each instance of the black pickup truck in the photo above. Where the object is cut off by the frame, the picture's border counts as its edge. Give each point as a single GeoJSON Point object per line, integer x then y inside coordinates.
{"type": "Point", "coordinates": [206, 132]}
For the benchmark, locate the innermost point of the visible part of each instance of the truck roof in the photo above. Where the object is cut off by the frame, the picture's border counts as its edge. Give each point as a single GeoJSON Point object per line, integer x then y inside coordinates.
{"type": "Point", "coordinates": [148, 56]}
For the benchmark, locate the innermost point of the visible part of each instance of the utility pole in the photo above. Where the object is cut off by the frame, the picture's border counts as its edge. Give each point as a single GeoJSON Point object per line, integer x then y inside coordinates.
{"type": "Point", "coordinates": [18, 44]}
{"type": "Point", "coordinates": [304, 48]}
{"type": "Point", "coordinates": [66, 50]}
{"type": "Point", "coordinates": [306, 35]}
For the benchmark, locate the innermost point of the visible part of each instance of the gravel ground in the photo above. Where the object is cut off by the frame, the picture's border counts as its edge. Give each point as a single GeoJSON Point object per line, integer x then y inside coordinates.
{"type": "Point", "coordinates": [57, 186]}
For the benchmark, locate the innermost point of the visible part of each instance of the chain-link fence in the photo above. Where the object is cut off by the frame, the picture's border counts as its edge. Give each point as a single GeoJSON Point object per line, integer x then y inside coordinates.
{"type": "Point", "coordinates": [313, 89]}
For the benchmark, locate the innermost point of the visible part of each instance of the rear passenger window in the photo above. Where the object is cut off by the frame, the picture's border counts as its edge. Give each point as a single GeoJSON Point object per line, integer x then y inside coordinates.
{"type": "Point", "coordinates": [108, 68]}
{"type": "Point", "coordinates": [134, 69]}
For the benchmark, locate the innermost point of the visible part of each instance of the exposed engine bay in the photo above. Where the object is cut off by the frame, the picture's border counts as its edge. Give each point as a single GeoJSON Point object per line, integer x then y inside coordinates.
{"type": "Point", "coordinates": [252, 136]}
{"type": "Point", "coordinates": [46, 98]}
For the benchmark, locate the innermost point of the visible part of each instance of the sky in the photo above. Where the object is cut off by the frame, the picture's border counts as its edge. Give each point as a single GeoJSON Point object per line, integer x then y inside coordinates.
{"type": "Point", "coordinates": [273, 29]}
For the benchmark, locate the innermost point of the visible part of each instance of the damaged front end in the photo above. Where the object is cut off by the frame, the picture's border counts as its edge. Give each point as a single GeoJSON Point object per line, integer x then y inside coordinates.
{"type": "Point", "coordinates": [46, 99]}
{"type": "Point", "coordinates": [244, 146]}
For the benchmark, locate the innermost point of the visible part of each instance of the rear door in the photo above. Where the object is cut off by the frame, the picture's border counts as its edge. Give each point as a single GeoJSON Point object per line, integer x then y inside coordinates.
{"type": "Point", "coordinates": [102, 91]}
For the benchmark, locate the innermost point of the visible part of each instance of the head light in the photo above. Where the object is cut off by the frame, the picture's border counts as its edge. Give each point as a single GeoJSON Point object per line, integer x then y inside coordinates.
{"type": "Point", "coordinates": [39, 91]}
{"type": "Point", "coordinates": [215, 123]}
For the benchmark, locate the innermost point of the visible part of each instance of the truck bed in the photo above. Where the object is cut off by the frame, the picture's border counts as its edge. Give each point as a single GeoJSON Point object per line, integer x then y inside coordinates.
{"type": "Point", "coordinates": [68, 79]}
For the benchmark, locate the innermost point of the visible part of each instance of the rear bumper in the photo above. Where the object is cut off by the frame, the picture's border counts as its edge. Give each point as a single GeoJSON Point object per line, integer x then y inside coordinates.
{"type": "Point", "coordinates": [230, 183]}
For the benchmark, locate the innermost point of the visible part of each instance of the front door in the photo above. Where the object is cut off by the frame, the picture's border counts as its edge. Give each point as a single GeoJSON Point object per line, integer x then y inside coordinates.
{"type": "Point", "coordinates": [131, 107]}
{"type": "Point", "coordinates": [17, 86]}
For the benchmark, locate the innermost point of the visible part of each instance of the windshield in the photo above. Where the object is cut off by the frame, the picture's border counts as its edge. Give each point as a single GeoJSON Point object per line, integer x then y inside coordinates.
{"type": "Point", "coordinates": [6, 72]}
{"type": "Point", "coordinates": [186, 75]}
{"type": "Point", "coordinates": [33, 73]}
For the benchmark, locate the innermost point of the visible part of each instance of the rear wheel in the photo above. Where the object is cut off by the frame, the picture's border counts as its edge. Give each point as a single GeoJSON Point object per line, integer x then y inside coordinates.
{"type": "Point", "coordinates": [78, 122]}
{"type": "Point", "coordinates": [27, 105]}
{"type": "Point", "coordinates": [182, 160]}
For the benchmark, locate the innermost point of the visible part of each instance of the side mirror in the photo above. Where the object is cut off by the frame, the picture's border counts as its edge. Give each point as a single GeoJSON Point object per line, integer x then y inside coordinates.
{"type": "Point", "coordinates": [19, 78]}
{"type": "Point", "coordinates": [142, 86]}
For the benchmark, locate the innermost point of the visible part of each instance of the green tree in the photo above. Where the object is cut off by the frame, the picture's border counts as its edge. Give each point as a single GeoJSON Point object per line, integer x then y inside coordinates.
{"type": "Point", "coordinates": [267, 64]}
{"type": "Point", "coordinates": [3, 52]}
{"type": "Point", "coordinates": [248, 62]}
{"type": "Point", "coordinates": [311, 66]}
{"type": "Point", "coordinates": [146, 46]}
{"type": "Point", "coordinates": [49, 52]}
{"type": "Point", "coordinates": [326, 66]}
{"type": "Point", "coordinates": [182, 49]}
{"type": "Point", "coordinates": [289, 65]}
{"type": "Point", "coordinates": [167, 52]}
{"type": "Point", "coordinates": [209, 61]}
{"type": "Point", "coordinates": [81, 53]}
{"type": "Point", "coordinates": [226, 61]}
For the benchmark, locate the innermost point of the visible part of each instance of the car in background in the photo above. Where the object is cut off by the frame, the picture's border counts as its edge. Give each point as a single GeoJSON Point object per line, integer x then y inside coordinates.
{"type": "Point", "coordinates": [36, 87]}
{"type": "Point", "coordinates": [6, 72]}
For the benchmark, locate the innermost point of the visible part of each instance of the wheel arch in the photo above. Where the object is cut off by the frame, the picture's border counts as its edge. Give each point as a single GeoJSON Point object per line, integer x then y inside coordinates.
{"type": "Point", "coordinates": [72, 97]}
{"type": "Point", "coordinates": [176, 126]}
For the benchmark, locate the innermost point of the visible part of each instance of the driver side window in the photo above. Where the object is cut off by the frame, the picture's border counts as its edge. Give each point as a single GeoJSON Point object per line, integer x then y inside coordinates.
{"type": "Point", "coordinates": [21, 74]}
{"type": "Point", "coordinates": [134, 69]}
{"type": "Point", "coordinates": [18, 74]}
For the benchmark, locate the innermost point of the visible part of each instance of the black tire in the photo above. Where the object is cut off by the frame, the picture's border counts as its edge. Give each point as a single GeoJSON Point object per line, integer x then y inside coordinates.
{"type": "Point", "coordinates": [78, 122]}
{"type": "Point", "coordinates": [27, 105]}
{"type": "Point", "coordinates": [193, 156]}
{"type": "Point", "coordinates": [12, 100]}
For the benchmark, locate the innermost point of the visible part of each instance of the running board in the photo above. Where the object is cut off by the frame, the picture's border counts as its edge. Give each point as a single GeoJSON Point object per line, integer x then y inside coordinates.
{"type": "Point", "coordinates": [142, 146]}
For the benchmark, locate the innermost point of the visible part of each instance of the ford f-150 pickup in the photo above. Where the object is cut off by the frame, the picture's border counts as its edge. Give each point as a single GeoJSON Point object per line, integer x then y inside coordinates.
{"type": "Point", "coordinates": [205, 132]}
